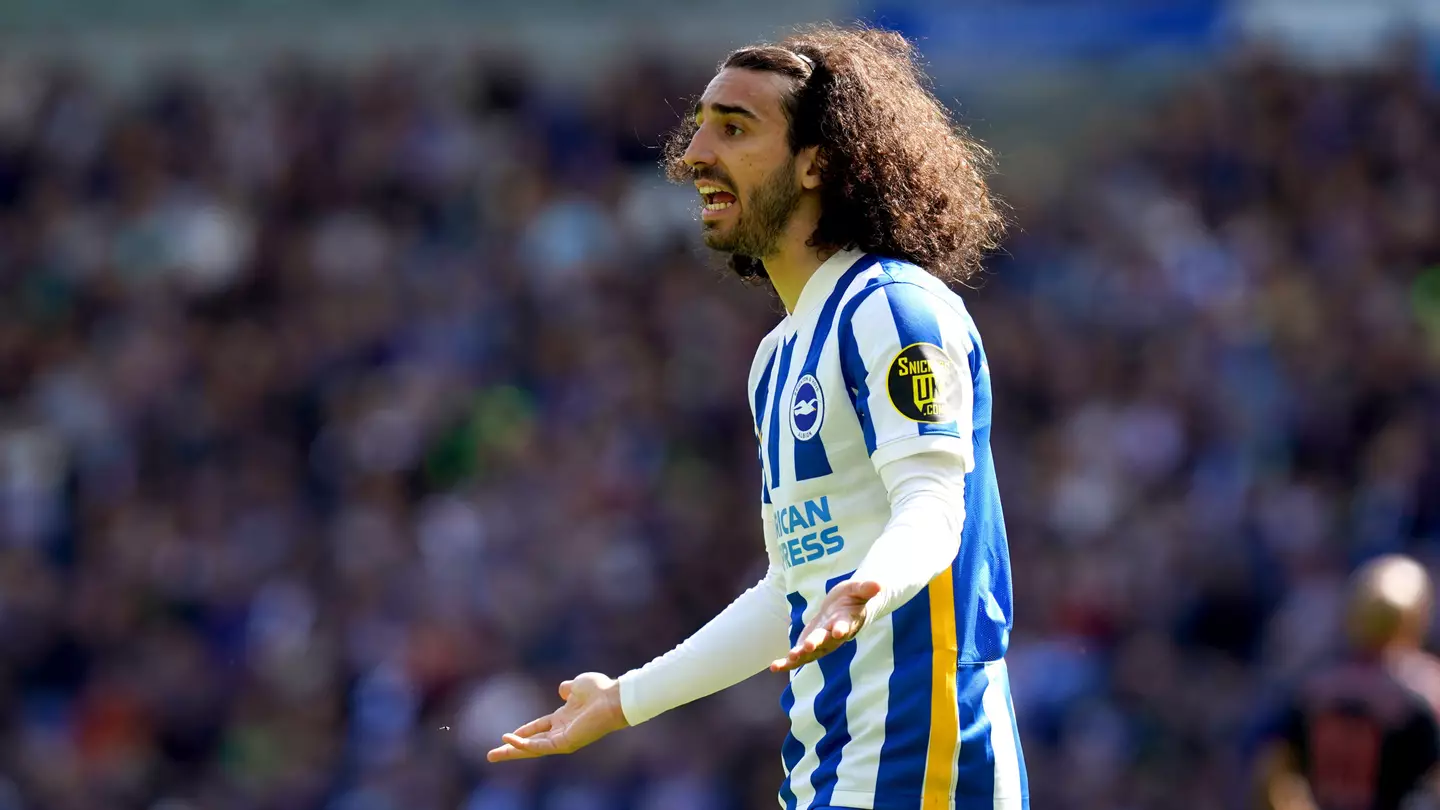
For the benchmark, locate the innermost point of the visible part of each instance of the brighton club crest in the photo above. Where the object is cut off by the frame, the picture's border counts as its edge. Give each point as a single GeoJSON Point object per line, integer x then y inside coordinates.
{"type": "Point", "coordinates": [807, 408]}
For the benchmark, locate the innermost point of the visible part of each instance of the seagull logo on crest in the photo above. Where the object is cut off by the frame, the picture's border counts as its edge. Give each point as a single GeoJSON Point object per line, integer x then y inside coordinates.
{"type": "Point", "coordinates": [807, 408]}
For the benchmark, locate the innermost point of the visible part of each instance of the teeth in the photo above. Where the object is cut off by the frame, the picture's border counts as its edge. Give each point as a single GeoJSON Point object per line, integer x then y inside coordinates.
{"type": "Point", "coordinates": [717, 206]}
{"type": "Point", "coordinates": [709, 189]}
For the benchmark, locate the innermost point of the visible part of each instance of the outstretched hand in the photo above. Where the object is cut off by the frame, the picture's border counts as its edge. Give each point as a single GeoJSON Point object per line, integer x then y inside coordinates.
{"type": "Point", "coordinates": [840, 617]}
{"type": "Point", "coordinates": [591, 711]}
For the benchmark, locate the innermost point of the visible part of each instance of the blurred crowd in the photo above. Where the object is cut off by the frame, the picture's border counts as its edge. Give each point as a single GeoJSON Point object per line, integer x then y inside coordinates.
{"type": "Point", "coordinates": [347, 413]}
{"type": "Point", "coordinates": [1218, 362]}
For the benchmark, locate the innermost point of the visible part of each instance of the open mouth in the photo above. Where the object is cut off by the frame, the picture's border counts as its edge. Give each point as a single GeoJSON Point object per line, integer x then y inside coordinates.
{"type": "Point", "coordinates": [715, 199]}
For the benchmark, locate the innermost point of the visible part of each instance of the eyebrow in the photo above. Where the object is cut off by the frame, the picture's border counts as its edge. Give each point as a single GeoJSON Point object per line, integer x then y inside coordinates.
{"type": "Point", "coordinates": [724, 109]}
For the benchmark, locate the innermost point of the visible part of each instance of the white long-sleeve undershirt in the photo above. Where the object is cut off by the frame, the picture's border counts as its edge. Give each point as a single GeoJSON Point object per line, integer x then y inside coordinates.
{"type": "Point", "coordinates": [921, 539]}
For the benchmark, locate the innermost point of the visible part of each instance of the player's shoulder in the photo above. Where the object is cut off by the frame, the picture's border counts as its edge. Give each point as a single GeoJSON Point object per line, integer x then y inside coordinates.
{"type": "Point", "coordinates": [909, 285]}
{"type": "Point", "coordinates": [894, 289]}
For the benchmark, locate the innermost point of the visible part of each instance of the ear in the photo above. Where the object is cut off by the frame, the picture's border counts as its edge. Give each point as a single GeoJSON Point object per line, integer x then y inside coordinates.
{"type": "Point", "coordinates": [808, 163]}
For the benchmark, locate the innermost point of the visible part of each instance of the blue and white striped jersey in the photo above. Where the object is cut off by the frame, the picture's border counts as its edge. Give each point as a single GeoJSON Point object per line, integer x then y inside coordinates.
{"type": "Point", "coordinates": [880, 361]}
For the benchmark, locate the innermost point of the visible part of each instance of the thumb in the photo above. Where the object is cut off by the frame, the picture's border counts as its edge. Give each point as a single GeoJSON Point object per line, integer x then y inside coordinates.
{"type": "Point", "coordinates": [867, 589]}
{"type": "Point", "coordinates": [565, 689]}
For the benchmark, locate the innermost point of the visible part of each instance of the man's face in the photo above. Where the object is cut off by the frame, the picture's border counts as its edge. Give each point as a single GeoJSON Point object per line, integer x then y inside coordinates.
{"type": "Point", "coordinates": [742, 163]}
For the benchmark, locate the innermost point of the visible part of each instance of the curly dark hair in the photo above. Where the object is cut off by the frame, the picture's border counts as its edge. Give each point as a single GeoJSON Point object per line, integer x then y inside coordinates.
{"type": "Point", "coordinates": [899, 177]}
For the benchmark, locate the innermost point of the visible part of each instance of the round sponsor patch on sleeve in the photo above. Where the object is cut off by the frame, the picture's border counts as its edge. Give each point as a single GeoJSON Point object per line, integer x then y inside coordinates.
{"type": "Point", "coordinates": [924, 383]}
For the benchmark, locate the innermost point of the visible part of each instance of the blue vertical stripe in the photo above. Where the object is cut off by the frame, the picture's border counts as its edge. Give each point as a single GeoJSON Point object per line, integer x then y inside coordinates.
{"type": "Point", "coordinates": [901, 777]}
{"type": "Point", "coordinates": [797, 616]}
{"type": "Point", "coordinates": [762, 390]}
{"type": "Point", "coordinates": [975, 771]}
{"type": "Point", "coordinates": [777, 394]}
{"type": "Point", "coordinates": [791, 750]}
{"type": "Point", "coordinates": [810, 458]}
{"type": "Point", "coordinates": [913, 309]}
{"type": "Point", "coordinates": [830, 712]}
{"type": "Point", "coordinates": [852, 366]}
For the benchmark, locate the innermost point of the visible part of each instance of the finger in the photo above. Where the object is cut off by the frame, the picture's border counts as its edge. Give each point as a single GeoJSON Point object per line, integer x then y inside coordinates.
{"type": "Point", "coordinates": [793, 662]}
{"type": "Point", "coordinates": [540, 745]}
{"type": "Point", "coordinates": [814, 639]}
{"type": "Point", "coordinates": [565, 689]}
{"type": "Point", "coordinates": [506, 753]}
{"type": "Point", "coordinates": [535, 726]}
{"type": "Point", "coordinates": [805, 634]}
{"type": "Point", "coordinates": [796, 658]}
{"type": "Point", "coordinates": [810, 641]}
{"type": "Point", "coordinates": [867, 589]}
{"type": "Point", "coordinates": [840, 629]}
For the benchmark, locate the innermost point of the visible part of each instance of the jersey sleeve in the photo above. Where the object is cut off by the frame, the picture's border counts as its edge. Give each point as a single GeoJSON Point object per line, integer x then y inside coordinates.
{"type": "Point", "coordinates": [738, 643]}
{"type": "Point", "coordinates": [905, 356]}
{"type": "Point", "coordinates": [922, 537]}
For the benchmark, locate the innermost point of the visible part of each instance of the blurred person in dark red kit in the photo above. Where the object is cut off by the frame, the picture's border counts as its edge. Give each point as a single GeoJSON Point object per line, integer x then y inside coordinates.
{"type": "Point", "coordinates": [1364, 734]}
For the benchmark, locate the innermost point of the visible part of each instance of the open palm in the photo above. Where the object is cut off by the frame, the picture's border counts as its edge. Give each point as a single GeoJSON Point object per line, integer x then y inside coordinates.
{"type": "Point", "coordinates": [836, 622]}
{"type": "Point", "coordinates": [591, 711]}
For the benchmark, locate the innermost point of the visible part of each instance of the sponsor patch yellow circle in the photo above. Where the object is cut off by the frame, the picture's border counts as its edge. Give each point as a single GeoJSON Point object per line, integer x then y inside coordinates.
{"type": "Point", "coordinates": [921, 382]}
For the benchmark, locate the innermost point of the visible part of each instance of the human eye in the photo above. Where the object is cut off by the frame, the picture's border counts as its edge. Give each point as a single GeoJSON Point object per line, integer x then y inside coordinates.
{"type": "Point", "coordinates": [732, 130]}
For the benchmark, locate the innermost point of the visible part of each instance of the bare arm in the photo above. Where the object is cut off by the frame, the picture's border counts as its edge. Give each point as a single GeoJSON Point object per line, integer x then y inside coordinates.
{"type": "Point", "coordinates": [1279, 783]}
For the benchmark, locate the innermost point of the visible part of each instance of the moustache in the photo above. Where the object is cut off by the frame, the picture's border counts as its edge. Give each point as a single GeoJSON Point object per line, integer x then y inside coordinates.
{"type": "Point", "coordinates": [697, 175]}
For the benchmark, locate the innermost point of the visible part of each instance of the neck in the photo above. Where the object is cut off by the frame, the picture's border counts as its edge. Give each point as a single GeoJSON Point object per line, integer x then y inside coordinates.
{"type": "Point", "coordinates": [794, 261]}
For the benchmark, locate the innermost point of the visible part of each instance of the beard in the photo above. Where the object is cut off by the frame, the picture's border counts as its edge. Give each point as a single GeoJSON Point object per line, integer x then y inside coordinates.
{"type": "Point", "coordinates": [766, 211]}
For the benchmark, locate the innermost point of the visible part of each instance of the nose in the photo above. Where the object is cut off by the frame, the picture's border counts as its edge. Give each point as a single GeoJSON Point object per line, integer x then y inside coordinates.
{"type": "Point", "coordinates": [698, 153]}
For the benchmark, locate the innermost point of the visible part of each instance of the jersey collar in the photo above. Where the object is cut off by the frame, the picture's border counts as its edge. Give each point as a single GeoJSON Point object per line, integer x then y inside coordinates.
{"type": "Point", "coordinates": [823, 280]}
